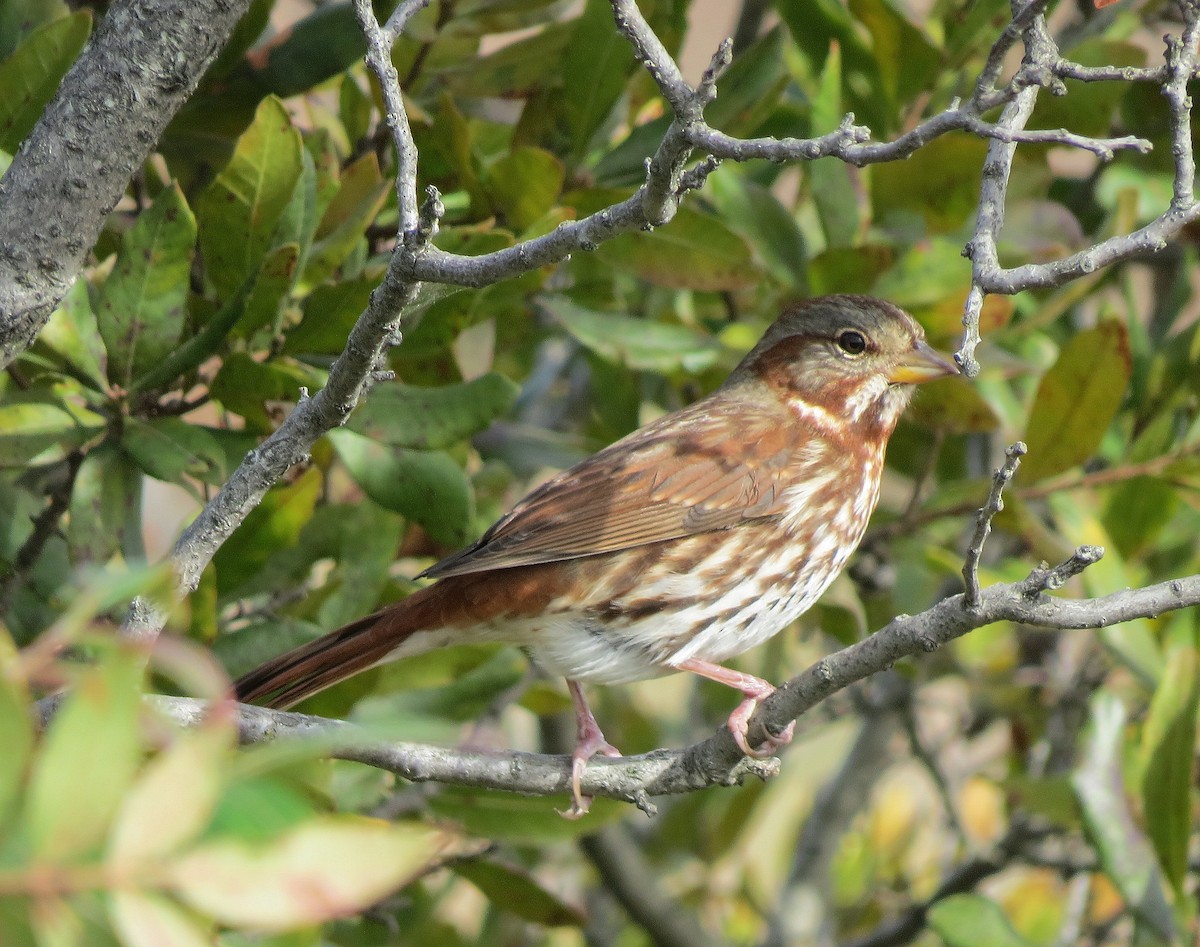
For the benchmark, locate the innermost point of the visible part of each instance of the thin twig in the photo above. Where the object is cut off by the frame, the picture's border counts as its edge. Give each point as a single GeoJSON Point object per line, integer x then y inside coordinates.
{"type": "Point", "coordinates": [45, 525]}
{"type": "Point", "coordinates": [983, 523]}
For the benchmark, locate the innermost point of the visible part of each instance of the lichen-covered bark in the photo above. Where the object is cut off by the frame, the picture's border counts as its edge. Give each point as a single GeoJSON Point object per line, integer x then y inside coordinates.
{"type": "Point", "coordinates": [143, 63]}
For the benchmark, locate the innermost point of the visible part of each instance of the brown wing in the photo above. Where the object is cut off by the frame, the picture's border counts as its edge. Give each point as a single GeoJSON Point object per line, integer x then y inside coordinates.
{"type": "Point", "coordinates": [690, 472]}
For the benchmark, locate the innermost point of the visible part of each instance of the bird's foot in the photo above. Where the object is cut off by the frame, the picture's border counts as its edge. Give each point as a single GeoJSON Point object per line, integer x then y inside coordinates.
{"type": "Point", "coordinates": [584, 751]}
{"type": "Point", "coordinates": [589, 741]}
{"type": "Point", "coordinates": [739, 726]}
{"type": "Point", "coordinates": [755, 690]}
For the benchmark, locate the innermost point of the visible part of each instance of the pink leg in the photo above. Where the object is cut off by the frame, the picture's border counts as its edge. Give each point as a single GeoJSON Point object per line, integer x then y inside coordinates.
{"type": "Point", "coordinates": [754, 689]}
{"type": "Point", "coordinates": [588, 742]}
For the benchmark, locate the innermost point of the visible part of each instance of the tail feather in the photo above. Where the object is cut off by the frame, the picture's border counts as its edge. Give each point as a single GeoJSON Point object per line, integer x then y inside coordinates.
{"type": "Point", "coordinates": [456, 608]}
{"type": "Point", "coordinates": [312, 667]}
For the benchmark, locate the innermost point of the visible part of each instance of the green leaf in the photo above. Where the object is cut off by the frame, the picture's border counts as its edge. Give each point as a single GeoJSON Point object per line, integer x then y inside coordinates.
{"type": "Point", "coordinates": [356, 204]}
{"type": "Point", "coordinates": [694, 251]}
{"type": "Point", "coordinates": [96, 733]}
{"type": "Point", "coordinates": [245, 34]}
{"type": "Point", "coordinates": [143, 303]}
{"type": "Point", "coordinates": [1077, 400]}
{"type": "Point", "coordinates": [174, 797]}
{"type": "Point", "coordinates": [848, 269]}
{"type": "Point", "coordinates": [524, 186]}
{"type": "Point", "coordinates": [325, 868]}
{"type": "Point", "coordinates": [200, 346]}
{"type": "Point", "coordinates": [907, 61]}
{"type": "Point", "coordinates": [1136, 513]}
{"type": "Point", "coordinates": [72, 334]}
{"type": "Point", "coordinates": [171, 449]}
{"type": "Point", "coordinates": [596, 65]}
{"type": "Point", "coordinates": [953, 405]}
{"type": "Point", "coordinates": [636, 343]}
{"type": "Point", "coordinates": [433, 418]}
{"type": "Point", "coordinates": [364, 547]}
{"type": "Point", "coordinates": [248, 387]}
{"type": "Point", "coordinates": [525, 820]}
{"type": "Point", "coordinates": [57, 923]}
{"type": "Point", "coordinates": [1134, 643]}
{"type": "Point", "coordinates": [938, 184]}
{"type": "Point", "coordinates": [820, 26]}
{"type": "Point", "coordinates": [513, 890]}
{"type": "Point", "coordinates": [262, 808]}
{"type": "Point", "coordinates": [19, 18]}
{"type": "Point", "coordinates": [750, 88]}
{"type": "Point", "coordinates": [749, 91]}
{"type": "Point", "coordinates": [315, 187]}
{"type": "Point", "coordinates": [1166, 754]}
{"type": "Point", "coordinates": [272, 525]}
{"type": "Point", "coordinates": [30, 76]}
{"type": "Point", "coordinates": [330, 312]}
{"type": "Point", "coordinates": [501, 16]}
{"type": "Point", "coordinates": [326, 42]}
{"type": "Point", "coordinates": [239, 212]}
{"type": "Point", "coordinates": [147, 919]}
{"type": "Point", "coordinates": [514, 70]}
{"type": "Point", "coordinates": [834, 185]}
{"type": "Point", "coordinates": [16, 736]}
{"type": "Point", "coordinates": [970, 920]}
{"type": "Point", "coordinates": [354, 108]}
{"type": "Point", "coordinates": [271, 291]}
{"type": "Point", "coordinates": [1099, 785]}
{"type": "Point", "coordinates": [27, 430]}
{"type": "Point", "coordinates": [754, 212]}
{"type": "Point", "coordinates": [926, 276]}
{"type": "Point", "coordinates": [466, 697]}
{"type": "Point", "coordinates": [105, 504]}
{"type": "Point", "coordinates": [427, 487]}
{"type": "Point", "coordinates": [1088, 107]}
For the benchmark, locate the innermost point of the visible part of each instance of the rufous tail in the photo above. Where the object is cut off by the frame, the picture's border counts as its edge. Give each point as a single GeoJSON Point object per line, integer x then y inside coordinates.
{"type": "Point", "coordinates": [330, 659]}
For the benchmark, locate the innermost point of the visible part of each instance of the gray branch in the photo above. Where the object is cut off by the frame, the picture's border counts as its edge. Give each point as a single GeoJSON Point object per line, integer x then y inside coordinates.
{"type": "Point", "coordinates": [983, 523]}
{"type": "Point", "coordinates": [1043, 65]}
{"type": "Point", "coordinates": [146, 58]}
{"type": "Point", "coordinates": [377, 329]}
{"type": "Point", "coordinates": [717, 761]}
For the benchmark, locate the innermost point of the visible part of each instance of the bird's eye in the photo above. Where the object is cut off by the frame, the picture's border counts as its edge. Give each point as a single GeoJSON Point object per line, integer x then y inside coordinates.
{"type": "Point", "coordinates": [852, 342]}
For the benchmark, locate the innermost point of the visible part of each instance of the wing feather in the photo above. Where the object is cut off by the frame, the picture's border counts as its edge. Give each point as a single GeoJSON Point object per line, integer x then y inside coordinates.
{"type": "Point", "coordinates": [680, 476]}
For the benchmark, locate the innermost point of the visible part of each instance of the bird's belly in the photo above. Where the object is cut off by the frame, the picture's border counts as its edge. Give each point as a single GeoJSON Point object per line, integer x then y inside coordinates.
{"type": "Point", "coordinates": [681, 616]}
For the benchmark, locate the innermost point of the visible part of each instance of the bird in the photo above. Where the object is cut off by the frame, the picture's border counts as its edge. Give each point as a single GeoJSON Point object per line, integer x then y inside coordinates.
{"type": "Point", "coordinates": [682, 545]}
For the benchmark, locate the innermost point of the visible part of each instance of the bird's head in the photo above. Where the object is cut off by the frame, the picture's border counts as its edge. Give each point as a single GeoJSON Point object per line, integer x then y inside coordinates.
{"type": "Point", "coordinates": [850, 359]}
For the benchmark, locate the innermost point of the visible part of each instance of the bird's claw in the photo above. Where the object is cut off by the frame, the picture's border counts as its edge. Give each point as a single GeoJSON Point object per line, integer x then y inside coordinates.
{"type": "Point", "coordinates": [579, 760]}
{"type": "Point", "coordinates": [739, 726]}
{"type": "Point", "coordinates": [589, 740]}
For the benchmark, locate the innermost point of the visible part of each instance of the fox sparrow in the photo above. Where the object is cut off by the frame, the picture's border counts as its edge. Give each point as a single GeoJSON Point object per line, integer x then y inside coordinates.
{"type": "Point", "coordinates": [682, 545]}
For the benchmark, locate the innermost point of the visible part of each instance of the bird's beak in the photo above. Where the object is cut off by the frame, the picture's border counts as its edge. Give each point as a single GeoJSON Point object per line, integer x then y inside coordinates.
{"type": "Point", "coordinates": [923, 363]}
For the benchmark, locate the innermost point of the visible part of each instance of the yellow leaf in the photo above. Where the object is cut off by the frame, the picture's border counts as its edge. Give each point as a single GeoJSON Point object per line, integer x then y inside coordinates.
{"type": "Point", "coordinates": [327, 868]}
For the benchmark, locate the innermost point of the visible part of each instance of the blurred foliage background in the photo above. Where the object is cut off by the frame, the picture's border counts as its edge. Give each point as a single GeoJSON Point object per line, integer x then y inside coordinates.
{"type": "Point", "coordinates": [1041, 780]}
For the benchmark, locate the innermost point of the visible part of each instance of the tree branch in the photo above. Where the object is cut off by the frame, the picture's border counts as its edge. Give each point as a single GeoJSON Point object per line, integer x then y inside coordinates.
{"type": "Point", "coordinates": [983, 525]}
{"type": "Point", "coordinates": [114, 103]}
{"type": "Point", "coordinates": [376, 330]}
{"type": "Point", "coordinates": [1042, 61]}
{"type": "Point", "coordinates": [717, 761]}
